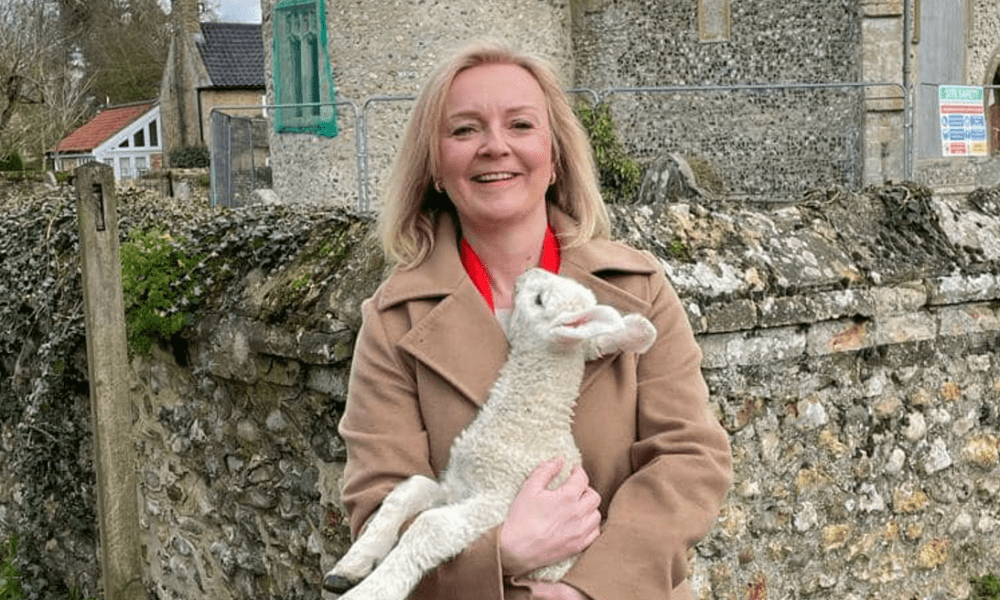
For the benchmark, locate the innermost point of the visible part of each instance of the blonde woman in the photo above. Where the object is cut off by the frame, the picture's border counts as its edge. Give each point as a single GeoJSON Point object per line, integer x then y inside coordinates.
{"type": "Point", "coordinates": [495, 175]}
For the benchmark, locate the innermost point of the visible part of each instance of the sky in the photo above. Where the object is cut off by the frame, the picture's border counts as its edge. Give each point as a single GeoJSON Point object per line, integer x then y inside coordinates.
{"type": "Point", "coordinates": [239, 11]}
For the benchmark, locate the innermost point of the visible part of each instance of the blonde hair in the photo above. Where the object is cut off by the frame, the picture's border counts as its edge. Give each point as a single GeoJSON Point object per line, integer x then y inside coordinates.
{"type": "Point", "coordinates": [412, 206]}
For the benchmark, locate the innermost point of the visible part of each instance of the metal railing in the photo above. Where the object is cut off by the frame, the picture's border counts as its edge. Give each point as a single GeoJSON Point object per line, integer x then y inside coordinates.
{"type": "Point", "coordinates": [363, 169]}
{"type": "Point", "coordinates": [765, 141]}
{"type": "Point", "coordinates": [844, 161]}
{"type": "Point", "coordinates": [224, 155]}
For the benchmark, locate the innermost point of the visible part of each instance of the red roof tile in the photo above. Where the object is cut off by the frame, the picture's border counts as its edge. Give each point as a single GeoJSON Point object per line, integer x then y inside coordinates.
{"type": "Point", "coordinates": [97, 130]}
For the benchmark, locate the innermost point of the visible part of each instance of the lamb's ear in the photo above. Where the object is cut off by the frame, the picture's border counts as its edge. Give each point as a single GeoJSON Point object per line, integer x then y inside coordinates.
{"type": "Point", "coordinates": [637, 336]}
{"type": "Point", "coordinates": [586, 325]}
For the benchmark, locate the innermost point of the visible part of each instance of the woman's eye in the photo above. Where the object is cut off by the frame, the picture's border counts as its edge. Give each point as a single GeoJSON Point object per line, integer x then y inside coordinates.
{"type": "Point", "coordinates": [524, 125]}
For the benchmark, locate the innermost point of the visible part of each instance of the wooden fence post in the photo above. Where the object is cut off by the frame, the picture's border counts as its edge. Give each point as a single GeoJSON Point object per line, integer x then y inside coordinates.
{"type": "Point", "coordinates": [111, 409]}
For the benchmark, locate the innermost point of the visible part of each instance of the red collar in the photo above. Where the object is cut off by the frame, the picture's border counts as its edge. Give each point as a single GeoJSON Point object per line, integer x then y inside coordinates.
{"type": "Point", "coordinates": [549, 260]}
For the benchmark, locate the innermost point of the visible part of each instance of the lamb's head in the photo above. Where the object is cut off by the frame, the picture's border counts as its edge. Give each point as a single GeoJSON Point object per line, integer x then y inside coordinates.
{"type": "Point", "coordinates": [560, 315]}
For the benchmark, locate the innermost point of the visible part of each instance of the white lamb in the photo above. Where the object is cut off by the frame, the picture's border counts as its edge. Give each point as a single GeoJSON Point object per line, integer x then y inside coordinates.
{"type": "Point", "coordinates": [556, 325]}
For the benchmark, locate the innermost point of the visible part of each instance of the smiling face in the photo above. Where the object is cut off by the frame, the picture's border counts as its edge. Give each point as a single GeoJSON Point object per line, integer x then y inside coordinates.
{"type": "Point", "coordinates": [495, 148]}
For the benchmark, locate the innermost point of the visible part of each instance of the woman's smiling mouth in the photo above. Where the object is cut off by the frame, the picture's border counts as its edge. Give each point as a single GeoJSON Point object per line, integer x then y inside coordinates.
{"type": "Point", "coordinates": [491, 177]}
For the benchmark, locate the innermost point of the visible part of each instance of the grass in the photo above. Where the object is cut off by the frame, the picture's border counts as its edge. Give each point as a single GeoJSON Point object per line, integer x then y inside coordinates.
{"type": "Point", "coordinates": [10, 577]}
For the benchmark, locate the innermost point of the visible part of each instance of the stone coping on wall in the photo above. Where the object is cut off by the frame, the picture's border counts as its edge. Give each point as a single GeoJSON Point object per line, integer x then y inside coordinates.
{"type": "Point", "coordinates": [844, 255]}
{"type": "Point", "coordinates": [759, 284]}
{"type": "Point", "coordinates": [833, 273]}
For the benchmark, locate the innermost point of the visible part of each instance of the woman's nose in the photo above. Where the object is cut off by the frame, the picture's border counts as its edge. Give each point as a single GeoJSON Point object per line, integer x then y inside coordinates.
{"type": "Point", "coordinates": [494, 143]}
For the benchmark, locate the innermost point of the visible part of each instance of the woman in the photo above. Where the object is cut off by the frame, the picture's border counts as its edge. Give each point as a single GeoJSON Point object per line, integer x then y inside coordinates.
{"type": "Point", "coordinates": [494, 176]}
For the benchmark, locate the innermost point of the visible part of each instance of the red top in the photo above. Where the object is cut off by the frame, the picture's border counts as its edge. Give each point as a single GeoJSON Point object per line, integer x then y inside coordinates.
{"type": "Point", "coordinates": [480, 277]}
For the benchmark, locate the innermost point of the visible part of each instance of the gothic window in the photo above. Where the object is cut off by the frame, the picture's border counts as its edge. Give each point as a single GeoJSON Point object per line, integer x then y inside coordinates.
{"type": "Point", "coordinates": [303, 84]}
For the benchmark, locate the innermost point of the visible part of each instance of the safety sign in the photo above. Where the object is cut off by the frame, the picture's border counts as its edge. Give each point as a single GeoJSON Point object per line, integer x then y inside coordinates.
{"type": "Point", "coordinates": [963, 121]}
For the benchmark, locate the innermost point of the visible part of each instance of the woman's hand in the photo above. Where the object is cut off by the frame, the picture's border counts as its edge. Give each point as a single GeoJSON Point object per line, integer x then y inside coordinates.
{"type": "Point", "coordinates": [546, 526]}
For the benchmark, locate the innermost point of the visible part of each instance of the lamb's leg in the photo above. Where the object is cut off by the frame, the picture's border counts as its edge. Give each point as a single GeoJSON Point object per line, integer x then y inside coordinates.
{"type": "Point", "coordinates": [382, 530]}
{"type": "Point", "coordinates": [434, 537]}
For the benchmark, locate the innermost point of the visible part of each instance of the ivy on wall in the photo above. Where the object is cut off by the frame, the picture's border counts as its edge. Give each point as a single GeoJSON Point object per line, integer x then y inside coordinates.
{"type": "Point", "coordinates": [178, 258]}
{"type": "Point", "coordinates": [43, 392]}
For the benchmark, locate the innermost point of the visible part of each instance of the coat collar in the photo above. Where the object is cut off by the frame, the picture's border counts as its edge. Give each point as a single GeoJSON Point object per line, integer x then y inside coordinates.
{"type": "Point", "coordinates": [442, 274]}
{"type": "Point", "coordinates": [455, 333]}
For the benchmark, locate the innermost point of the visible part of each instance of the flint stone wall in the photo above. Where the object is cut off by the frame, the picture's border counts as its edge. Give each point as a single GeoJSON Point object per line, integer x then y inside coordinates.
{"type": "Point", "coordinates": [850, 347]}
{"type": "Point", "coordinates": [853, 358]}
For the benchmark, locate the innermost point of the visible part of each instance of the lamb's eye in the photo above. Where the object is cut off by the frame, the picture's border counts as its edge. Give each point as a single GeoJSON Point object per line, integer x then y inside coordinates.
{"type": "Point", "coordinates": [538, 299]}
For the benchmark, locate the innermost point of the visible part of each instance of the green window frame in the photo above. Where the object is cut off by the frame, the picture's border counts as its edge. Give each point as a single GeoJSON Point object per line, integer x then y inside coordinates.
{"type": "Point", "coordinates": [301, 65]}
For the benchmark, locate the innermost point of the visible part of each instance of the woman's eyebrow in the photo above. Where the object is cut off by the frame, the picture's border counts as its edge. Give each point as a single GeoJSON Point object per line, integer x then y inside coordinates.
{"type": "Point", "coordinates": [472, 113]}
{"type": "Point", "coordinates": [530, 108]}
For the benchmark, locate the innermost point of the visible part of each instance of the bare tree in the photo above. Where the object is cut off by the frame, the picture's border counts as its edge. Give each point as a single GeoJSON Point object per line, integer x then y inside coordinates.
{"type": "Point", "coordinates": [123, 45]}
{"type": "Point", "coordinates": [30, 44]}
{"type": "Point", "coordinates": [67, 105]}
{"type": "Point", "coordinates": [59, 59]}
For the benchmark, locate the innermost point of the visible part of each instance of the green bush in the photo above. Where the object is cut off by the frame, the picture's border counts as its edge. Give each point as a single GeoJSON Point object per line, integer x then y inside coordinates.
{"type": "Point", "coordinates": [11, 161]}
{"type": "Point", "coordinates": [190, 157]}
{"type": "Point", "coordinates": [156, 287]}
{"type": "Point", "coordinates": [619, 174]}
{"type": "Point", "coordinates": [986, 588]}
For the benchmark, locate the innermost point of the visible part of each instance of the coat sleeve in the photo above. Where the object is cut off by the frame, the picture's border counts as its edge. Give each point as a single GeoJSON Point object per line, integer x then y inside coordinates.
{"type": "Point", "coordinates": [387, 443]}
{"type": "Point", "coordinates": [681, 469]}
{"type": "Point", "coordinates": [381, 425]}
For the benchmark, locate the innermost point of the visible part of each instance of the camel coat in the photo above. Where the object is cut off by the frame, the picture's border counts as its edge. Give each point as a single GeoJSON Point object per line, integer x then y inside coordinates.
{"type": "Point", "coordinates": [426, 356]}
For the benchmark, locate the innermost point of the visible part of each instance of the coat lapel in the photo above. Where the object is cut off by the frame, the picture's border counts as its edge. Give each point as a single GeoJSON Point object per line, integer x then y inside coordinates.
{"type": "Point", "coordinates": [593, 263]}
{"type": "Point", "coordinates": [454, 333]}
{"type": "Point", "coordinates": [460, 340]}
{"type": "Point", "coordinates": [586, 264]}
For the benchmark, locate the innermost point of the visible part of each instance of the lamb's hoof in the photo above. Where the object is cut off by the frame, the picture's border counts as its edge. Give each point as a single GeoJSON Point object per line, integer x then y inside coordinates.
{"type": "Point", "coordinates": [337, 583]}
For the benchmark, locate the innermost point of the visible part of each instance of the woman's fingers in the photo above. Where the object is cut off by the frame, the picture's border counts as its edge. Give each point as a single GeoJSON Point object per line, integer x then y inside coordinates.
{"type": "Point", "coordinates": [545, 526]}
{"type": "Point", "coordinates": [543, 474]}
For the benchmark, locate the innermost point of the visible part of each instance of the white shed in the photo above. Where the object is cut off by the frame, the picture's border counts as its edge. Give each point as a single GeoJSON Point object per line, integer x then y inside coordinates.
{"type": "Point", "coordinates": [126, 137]}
